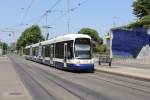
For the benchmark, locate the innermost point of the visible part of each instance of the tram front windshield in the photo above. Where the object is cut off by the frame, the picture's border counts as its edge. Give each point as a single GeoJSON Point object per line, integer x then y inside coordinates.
{"type": "Point", "coordinates": [82, 48]}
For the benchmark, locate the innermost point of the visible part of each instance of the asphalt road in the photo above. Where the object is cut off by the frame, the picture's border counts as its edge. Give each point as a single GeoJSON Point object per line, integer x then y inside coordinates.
{"type": "Point", "coordinates": [47, 83]}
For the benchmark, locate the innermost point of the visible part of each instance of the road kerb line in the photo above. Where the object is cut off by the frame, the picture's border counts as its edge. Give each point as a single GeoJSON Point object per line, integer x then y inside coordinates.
{"type": "Point", "coordinates": [125, 75]}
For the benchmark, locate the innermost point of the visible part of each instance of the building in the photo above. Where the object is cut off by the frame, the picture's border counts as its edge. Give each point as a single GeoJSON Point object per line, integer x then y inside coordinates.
{"type": "Point", "coordinates": [129, 43]}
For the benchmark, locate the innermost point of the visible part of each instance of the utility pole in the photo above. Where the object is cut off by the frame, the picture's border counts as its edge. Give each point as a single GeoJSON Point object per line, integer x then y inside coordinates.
{"type": "Point", "coordinates": [47, 32]}
{"type": "Point", "coordinates": [68, 20]}
{"type": "Point", "coordinates": [46, 26]}
{"type": "Point", "coordinates": [46, 16]}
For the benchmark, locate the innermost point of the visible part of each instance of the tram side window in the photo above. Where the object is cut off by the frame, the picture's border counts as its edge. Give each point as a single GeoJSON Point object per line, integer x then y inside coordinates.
{"type": "Point", "coordinates": [69, 49]}
{"type": "Point", "coordinates": [27, 51]}
{"type": "Point", "coordinates": [34, 51]}
{"type": "Point", "coordinates": [24, 51]}
{"type": "Point", "coordinates": [43, 51]}
{"type": "Point", "coordinates": [47, 50]}
{"type": "Point", "coordinates": [59, 53]}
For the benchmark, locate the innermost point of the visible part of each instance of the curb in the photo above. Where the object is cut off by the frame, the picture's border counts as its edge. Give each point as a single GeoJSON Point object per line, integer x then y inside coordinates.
{"type": "Point", "coordinates": [125, 75]}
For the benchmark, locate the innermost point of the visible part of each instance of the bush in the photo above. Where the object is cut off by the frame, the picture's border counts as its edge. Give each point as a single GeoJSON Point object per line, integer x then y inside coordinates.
{"type": "Point", "coordinates": [101, 49]}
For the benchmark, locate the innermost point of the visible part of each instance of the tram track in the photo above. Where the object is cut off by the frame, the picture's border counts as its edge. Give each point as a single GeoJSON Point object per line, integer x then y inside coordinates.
{"type": "Point", "coordinates": [129, 80]}
{"type": "Point", "coordinates": [73, 82]}
{"type": "Point", "coordinates": [126, 84]}
{"type": "Point", "coordinates": [71, 87]}
{"type": "Point", "coordinates": [20, 68]}
{"type": "Point", "coordinates": [119, 81]}
{"type": "Point", "coordinates": [54, 81]}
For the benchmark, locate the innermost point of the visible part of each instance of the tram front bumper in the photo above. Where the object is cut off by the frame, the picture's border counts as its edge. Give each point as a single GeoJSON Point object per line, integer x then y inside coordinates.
{"type": "Point", "coordinates": [81, 67]}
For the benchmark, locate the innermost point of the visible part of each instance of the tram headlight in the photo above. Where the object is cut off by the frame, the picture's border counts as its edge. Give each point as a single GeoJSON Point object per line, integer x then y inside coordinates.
{"type": "Point", "coordinates": [91, 61]}
{"type": "Point", "coordinates": [77, 61]}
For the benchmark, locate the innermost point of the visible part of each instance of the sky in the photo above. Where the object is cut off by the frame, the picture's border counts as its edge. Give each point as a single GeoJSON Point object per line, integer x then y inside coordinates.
{"type": "Point", "coordinates": [101, 15]}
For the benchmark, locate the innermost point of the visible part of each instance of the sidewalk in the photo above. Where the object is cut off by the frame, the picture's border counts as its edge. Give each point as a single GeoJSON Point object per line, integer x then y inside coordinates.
{"type": "Point", "coordinates": [11, 87]}
{"type": "Point", "coordinates": [138, 73]}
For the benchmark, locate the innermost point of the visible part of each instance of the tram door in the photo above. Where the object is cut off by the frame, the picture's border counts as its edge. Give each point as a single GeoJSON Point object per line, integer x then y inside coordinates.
{"type": "Point", "coordinates": [65, 54]}
{"type": "Point", "coordinates": [40, 51]}
{"type": "Point", "coordinates": [51, 54]}
{"type": "Point", "coordinates": [30, 55]}
{"type": "Point", "coordinates": [30, 51]}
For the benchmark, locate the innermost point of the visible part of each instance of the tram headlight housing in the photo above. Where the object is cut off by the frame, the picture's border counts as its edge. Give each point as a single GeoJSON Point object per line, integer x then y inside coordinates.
{"type": "Point", "coordinates": [77, 61]}
{"type": "Point", "coordinates": [92, 61]}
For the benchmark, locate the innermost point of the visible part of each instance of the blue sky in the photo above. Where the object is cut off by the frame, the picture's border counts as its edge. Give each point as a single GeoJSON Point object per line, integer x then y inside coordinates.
{"type": "Point", "coordinates": [97, 14]}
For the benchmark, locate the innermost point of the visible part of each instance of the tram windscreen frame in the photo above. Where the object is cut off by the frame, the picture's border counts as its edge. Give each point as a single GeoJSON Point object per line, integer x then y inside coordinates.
{"type": "Point", "coordinates": [83, 48]}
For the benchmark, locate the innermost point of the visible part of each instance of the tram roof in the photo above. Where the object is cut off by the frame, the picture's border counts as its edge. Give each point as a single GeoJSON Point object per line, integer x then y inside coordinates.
{"type": "Point", "coordinates": [65, 38]}
{"type": "Point", "coordinates": [60, 39]}
{"type": "Point", "coordinates": [33, 45]}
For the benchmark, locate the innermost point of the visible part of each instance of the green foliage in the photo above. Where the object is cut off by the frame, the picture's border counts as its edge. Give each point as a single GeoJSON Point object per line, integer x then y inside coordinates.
{"type": "Point", "coordinates": [143, 22]}
{"type": "Point", "coordinates": [141, 8]}
{"type": "Point", "coordinates": [102, 49]}
{"type": "Point", "coordinates": [31, 35]}
{"type": "Point", "coordinates": [92, 33]}
{"type": "Point", "coordinates": [4, 46]}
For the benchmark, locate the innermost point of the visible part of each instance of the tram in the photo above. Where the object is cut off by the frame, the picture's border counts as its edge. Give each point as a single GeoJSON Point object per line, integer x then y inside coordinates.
{"type": "Point", "coordinates": [71, 52]}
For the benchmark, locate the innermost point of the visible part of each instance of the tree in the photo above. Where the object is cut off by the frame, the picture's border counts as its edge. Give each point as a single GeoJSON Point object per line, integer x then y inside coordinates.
{"type": "Point", "coordinates": [4, 47]}
{"type": "Point", "coordinates": [143, 22]}
{"type": "Point", "coordinates": [102, 48]}
{"type": "Point", "coordinates": [31, 35]}
{"type": "Point", "coordinates": [92, 33]}
{"type": "Point", "coordinates": [141, 8]}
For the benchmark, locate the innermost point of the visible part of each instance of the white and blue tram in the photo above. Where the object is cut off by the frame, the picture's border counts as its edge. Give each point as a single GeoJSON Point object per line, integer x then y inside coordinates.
{"type": "Point", "coordinates": [71, 52]}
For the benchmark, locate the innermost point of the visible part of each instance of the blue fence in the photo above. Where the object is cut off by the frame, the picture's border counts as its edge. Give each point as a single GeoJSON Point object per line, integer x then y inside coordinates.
{"type": "Point", "coordinates": [128, 43]}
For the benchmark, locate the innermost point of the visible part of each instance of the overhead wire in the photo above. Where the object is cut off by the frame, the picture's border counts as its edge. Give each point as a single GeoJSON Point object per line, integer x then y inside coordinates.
{"type": "Point", "coordinates": [48, 11]}
{"type": "Point", "coordinates": [26, 12]}
{"type": "Point", "coordinates": [39, 18]}
{"type": "Point", "coordinates": [70, 10]}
